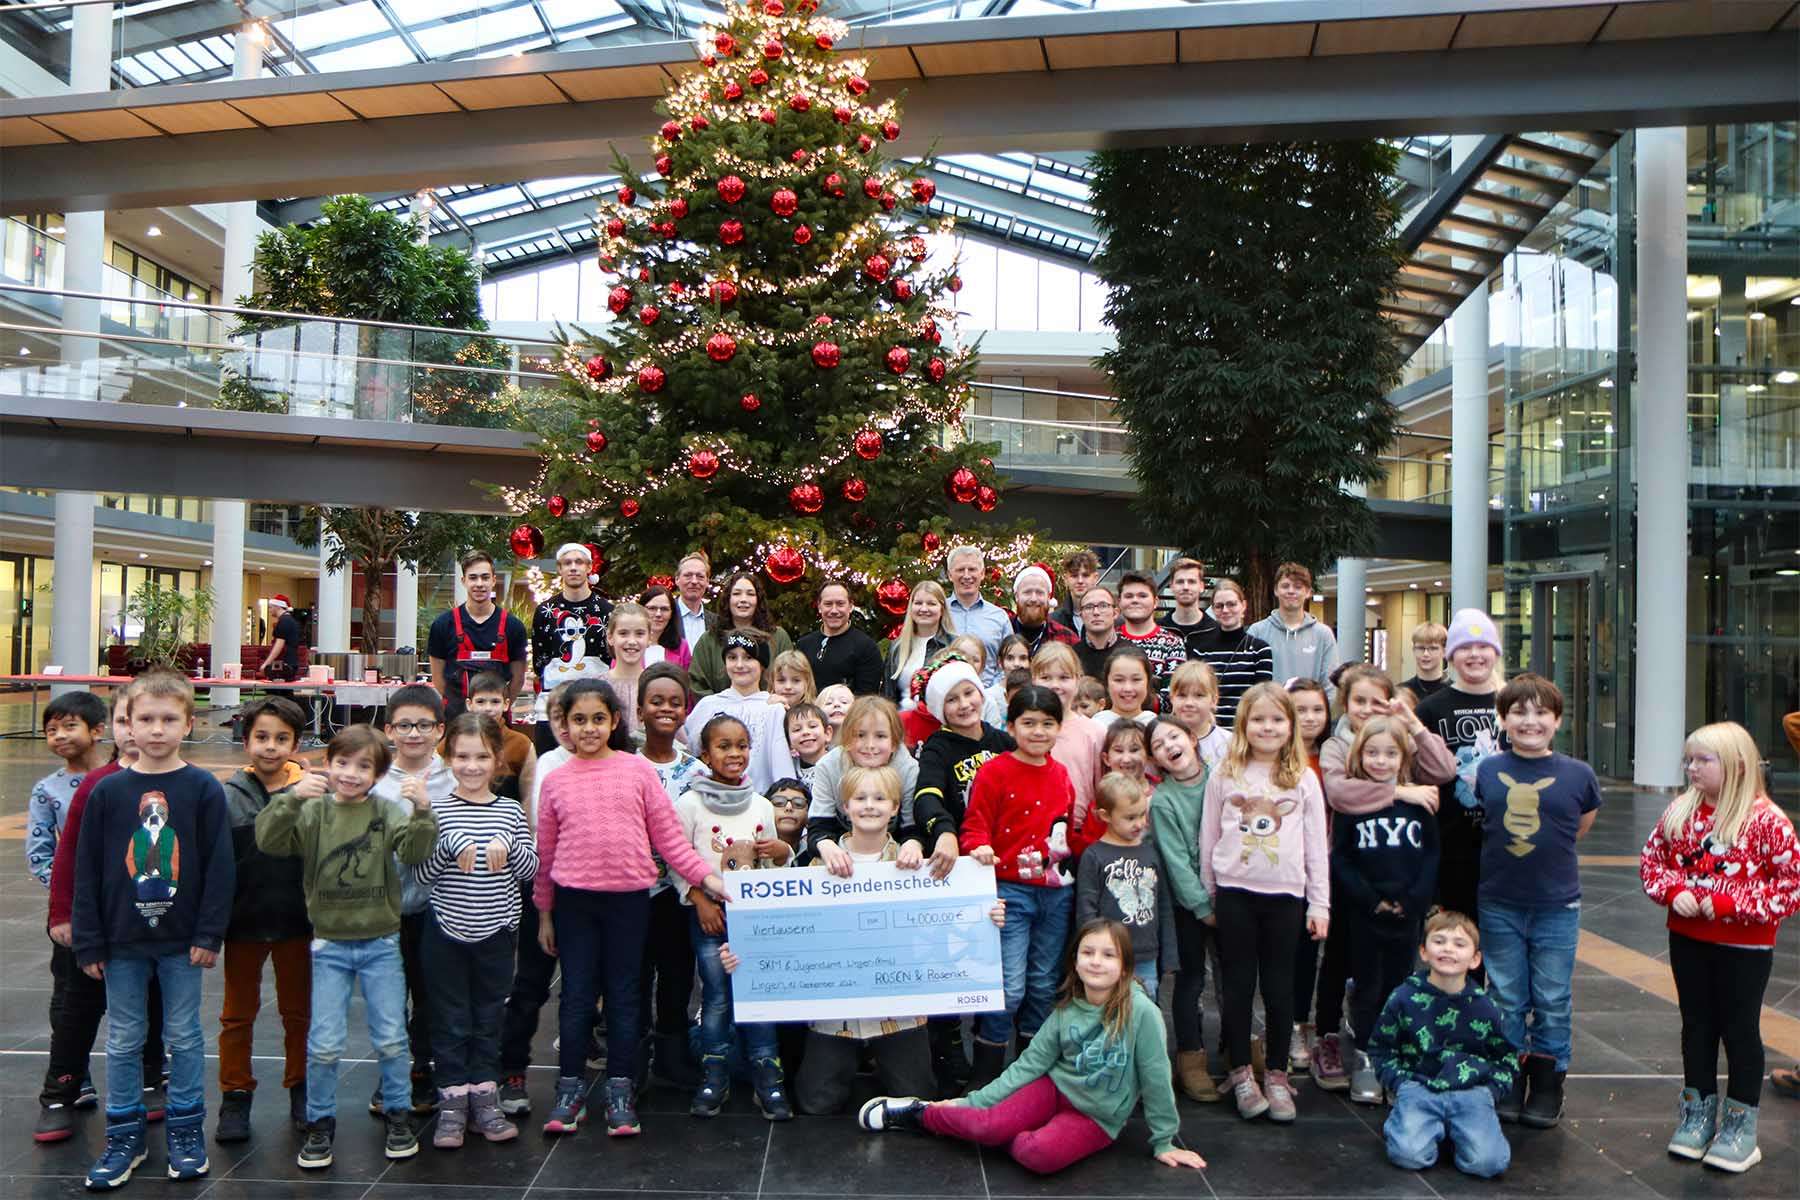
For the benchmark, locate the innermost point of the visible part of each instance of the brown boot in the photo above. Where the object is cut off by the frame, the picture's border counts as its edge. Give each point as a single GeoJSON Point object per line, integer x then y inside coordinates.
{"type": "Point", "coordinates": [1259, 1066]}
{"type": "Point", "coordinates": [1196, 1081]}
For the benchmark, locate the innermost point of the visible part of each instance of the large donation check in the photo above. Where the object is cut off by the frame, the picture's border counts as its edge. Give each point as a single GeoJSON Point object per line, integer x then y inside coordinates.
{"type": "Point", "coordinates": [883, 943]}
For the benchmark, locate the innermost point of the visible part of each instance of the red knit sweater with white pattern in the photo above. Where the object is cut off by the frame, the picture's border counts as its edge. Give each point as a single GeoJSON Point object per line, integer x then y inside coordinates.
{"type": "Point", "coordinates": [1014, 807]}
{"type": "Point", "coordinates": [1754, 884]}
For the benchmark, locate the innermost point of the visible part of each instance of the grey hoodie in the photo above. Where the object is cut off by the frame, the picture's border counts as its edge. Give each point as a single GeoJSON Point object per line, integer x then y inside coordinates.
{"type": "Point", "coordinates": [1309, 652]}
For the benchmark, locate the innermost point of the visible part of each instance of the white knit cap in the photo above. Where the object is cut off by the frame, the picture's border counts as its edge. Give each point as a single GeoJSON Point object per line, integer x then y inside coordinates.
{"type": "Point", "coordinates": [575, 547]}
{"type": "Point", "coordinates": [943, 680]}
{"type": "Point", "coordinates": [1033, 572]}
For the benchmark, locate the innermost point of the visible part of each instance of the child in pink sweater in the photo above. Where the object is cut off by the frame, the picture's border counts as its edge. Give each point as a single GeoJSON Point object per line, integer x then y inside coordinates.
{"type": "Point", "coordinates": [598, 816]}
{"type": "Point", "coordinates": [1264, 861]}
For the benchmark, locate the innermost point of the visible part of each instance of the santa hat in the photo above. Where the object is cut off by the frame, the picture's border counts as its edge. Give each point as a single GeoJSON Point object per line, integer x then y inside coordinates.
{"type": "Point", "coordinates": [944, 680]}
{"type": "Point", "coordinates": [573, 548]}
{"type": "Point", "coordinates": [1037, 572]}
{"type": "Point", "coordinates": [279, 600]}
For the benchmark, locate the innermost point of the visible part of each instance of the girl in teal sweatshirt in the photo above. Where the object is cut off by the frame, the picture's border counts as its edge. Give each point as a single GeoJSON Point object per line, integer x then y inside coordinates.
{"type": "Point", "coordinates": [1069, 1094]}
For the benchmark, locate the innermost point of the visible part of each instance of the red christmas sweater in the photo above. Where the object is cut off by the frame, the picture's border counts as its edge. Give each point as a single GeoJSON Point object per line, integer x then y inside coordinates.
{"type": "Point", "coordinates": [62, 868]}
{"type": "Point", "coordinates": [1023, 812]}
{"type": "Point", "coordinates": [1754, 883]}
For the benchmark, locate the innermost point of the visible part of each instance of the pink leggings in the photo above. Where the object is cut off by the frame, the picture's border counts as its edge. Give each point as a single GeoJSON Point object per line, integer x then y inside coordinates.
{"type": "Point", "coordinates": [1038, 1126]}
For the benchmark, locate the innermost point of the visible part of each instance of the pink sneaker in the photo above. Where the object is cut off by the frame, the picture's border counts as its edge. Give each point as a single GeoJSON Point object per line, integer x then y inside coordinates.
{"type": "Point", "coordinates": [1328, 1064]}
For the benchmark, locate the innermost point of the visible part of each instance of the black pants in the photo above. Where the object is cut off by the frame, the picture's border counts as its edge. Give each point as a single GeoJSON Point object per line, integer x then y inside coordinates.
{"type": "Point", "coordinates": [1459, 858]}
{"type": "Point", "coordinates": [1383, 952]}
{"type": "Point", "coordinates": [468, 993]}
{"type": "Point", "coordinates": [529, 993]}
{"type": "Point", "coordinates": [600, 940]}
{"type": "Point", "coordinates": [77, 1004]}
{"type": "Point", "coordinates": [667, 987]}
{"type": "Point", "coordinates": [1256, 934]}
{"type": "Point", "coordinates": [1326, 1000]}
{"type": "Point", "coordinates": [1720, 990]}
{"type": "Point", "coordinates": [418, 1004]}
{"type": "Point", "coordinates": [828, 1069]}
{"type": "Point", "coordinates": [1192, 938]}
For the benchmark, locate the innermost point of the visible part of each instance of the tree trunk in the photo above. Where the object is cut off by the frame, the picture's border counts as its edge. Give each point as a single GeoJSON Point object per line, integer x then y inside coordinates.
{"type": "Point", "coordinates": [1259, 583]}
{"type": "Point", "coordinates": [372, 570]}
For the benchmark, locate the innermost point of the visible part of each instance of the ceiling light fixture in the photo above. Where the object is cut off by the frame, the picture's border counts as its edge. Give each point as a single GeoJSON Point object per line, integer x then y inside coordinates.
{"type": "Point", "coordinates": [153, 231]}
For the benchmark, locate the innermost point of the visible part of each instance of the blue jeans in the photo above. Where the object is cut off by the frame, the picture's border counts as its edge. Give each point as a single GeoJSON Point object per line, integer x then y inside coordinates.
{"type": "Point", "coordinates": [1031, 958]}
{"type": "Point", "coordinates": [1529, 950]}
{"type": "Point", "coordinates": [1148, 975]}
{"type": "Point", "coordinates": [757, 1038]}
{"type": "Point", "coordinates": [1421, 1118]}
{"type": "Point", "coordinates": [127, 1020]}
{"type": "Point", "coordinates": [337, 966]}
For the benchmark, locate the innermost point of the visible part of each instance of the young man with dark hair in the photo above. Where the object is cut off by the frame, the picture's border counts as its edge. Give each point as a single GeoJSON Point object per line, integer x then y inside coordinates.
{"type": "Point", "coordinates": [1300, 647]}
{"type": "Point", "coordinates": [1187, 582]}
{"type": "Point", "coordinates": [1099, 610]}
{"type": "Point", "coordinates": [1165, 648]}
{"type": "Point", "coordinates": [477, 635]}
{"type": "Point", "coordinates": [838, 651]}
{"type": "Point", "coordinates": [569, 630]}
{"type": "Point", "coordinates": [1080, 571]}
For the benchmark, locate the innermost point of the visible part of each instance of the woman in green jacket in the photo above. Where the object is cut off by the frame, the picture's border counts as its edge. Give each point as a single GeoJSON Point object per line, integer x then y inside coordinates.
{"type": "Point", "coordinates": [741, 606]}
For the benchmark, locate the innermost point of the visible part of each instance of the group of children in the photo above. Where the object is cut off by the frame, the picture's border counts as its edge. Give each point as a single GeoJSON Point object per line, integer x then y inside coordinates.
{"type": "Point", "coordinates": [448, 871]}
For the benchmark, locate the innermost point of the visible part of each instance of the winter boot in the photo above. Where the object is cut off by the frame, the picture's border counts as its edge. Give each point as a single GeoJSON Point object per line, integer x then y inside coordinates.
{"type": "Point", "coordinates": [1512, 1104]}
{"type": "Point", "coordinates": [714, 1089]}
{"type": "Point", "coordinates": [123, 1154]}
{"type": "Point", "coordinates": [452, 1118]}
{"type": "Point", "coordinates": [566, 1110]}
{"type": "Point", "coordinates": [1251, 1103]}
{"type": "Point", "coordinates": [234, 1118]}
{"type": "Point", "coordinates": [990, 1060]}
{"type": "Point", "coordinates": [891, 1112]}
{"type": "Point", "coordinates": [1544, 1092]}
{"type": "Point", "coordinates": [1259, 1065]}
{"type": "Point", "coordinates": [515, 1101]}
{"type": "Point", "coordinates": [621, 1108]}
{"type": "Point", "coordinates": [1699, 1122]}
{"type": "Point", "coordinates": [771, 1090]}
{"type": "Point", "coordinates": [185, 1132]}
{"type": "Point", "coordinates": [1197, 1082]}
{"type": "Point", "coordinates": [485, 1116]}
{"type": "Point", "coordinates": [1734, 1147]}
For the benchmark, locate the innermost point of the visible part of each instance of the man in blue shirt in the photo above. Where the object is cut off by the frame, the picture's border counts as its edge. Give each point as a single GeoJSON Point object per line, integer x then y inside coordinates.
{"type": "Point", "coordinates": [970, 614]}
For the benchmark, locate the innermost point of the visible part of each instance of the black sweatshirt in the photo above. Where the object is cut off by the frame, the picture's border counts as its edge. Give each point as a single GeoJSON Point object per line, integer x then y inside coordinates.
{"type": "Point", "coordinates": [851, 658]}
{"type": "Point", "coordinates": [947, 765]}
{"type": "Point", "coordinates": [1391, 854]}
{"type": "Point", "coordinates": [270, 905]}
{"type": "Point", "coordinates": [154, 871]}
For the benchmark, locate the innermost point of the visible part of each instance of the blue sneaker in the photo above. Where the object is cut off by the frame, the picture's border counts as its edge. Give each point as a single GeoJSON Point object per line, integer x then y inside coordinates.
{"type": "Point", "coordinates": [186, 1136]}
{"type": "Point", "coordinates": [124, 1152]}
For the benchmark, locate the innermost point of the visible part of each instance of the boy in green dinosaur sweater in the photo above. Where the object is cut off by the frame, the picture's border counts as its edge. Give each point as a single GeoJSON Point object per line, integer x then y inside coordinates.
{"type": "Point", "coordinates": [1440, 1052]}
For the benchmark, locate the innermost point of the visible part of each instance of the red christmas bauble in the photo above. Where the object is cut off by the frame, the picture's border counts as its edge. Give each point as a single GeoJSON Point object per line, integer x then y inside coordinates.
{"type": "Point", "coordinates": [615, 227]}
{"type": "Point", "coordinates": [854, 490]}
{"type": "Point", "coordinates": [703, 464]}
{"type": "Point", "coordinates": [627, 197]}
{"type": "Point", "coordinates": [890, 129]}
{"type": "Point", "coordinates": [758, 77]}
{"type": "Point", "coordinates": [652, 378]}
{"type": "Point", "coordinates": [894, 596]}
{"type": "Point", "coordinates": [698, 122]}
{"type": "Point", "coordinates": [707, 60]}
{"type": "Point", "coordinates": [872, 186]}
{"type": "Point", "coordinates": [731, 232]}
{"type": "Point", "coordinates": [725, 44]}
{"type": "Point", "coordinates": [962, 485]}
{"type": "Point", "coordinates": [720, 347]}
{"type": "Point", "coordinates": [856, 85]}
{"type": "Point", "coordinates": [677, 288]}
{"type": "Point", "coordinates": [643, 274]}
{"type": "Point", "coordinates": [598, 368]}
{"type": "Point", "coordinates": [994, 575]}
{"type": "Point", "coordinates": [806, 498]}
{"type": "Point", "coordinates": [864, 143]}
{"type": "Point", "coordinates": [825, 355]}
{"type": "Point", "coordinates": [527, 541]}
{"type": "Point", "coordinates": [986, 498]}
{"type": "Point", "coordinates": [734, 90]}
{"type": "Point", "coordinates": [749, 402]}
{"type": "Point", "coordinates": [619, 299]}
{"type": "Point", "coordinates": [867, 444]}
{"type": "Point", "coordinates": [785, 564]}
{"type": "Point", "coordinates": [596, 563]}
{"type": "Point", "coordinates": [665, 230]}
{"type": "Point", "coordinates": [936, 369]}
{"type": "Point", "coordinates": [876, 266]}
{"type": "Point", "coordinates": [802, 235]}
{"type": "Point", "coordinates": [647, 315]}
{"type": "Point", "coordinates": [783, 203]}
{"type": "Point", "coordinates": [928, 330]}
{"type": "Point", "coordinates": [822, 319]}
{"type": "Point", "coordinates": [660, 581]}
{"type": "Point", "coordinates": [799, 156]}
{"type": "Point", "coordinates": [903, 290]}
{"type": "Point", "coordinates": [556, 506]}
{"type": "Point", "coordinates": [915, 246]}
{"type": "Point", "coordinates": [842, 114]}
{"type": "Point", "coordinates": [800, 102]}
{"type": "Point", "coordinates": [629, 507]}
{"type": "Point", "coordinates": [664, 164]}
{"type": "Point", "coordinates": [767, 116]}
{"type": "Point", "coordinates": [888, 201]}
{"type": "Point", "coordinates": [678, 207]}
{"type": "Point", "coordinates": [772, 49]}
{"type": "Point", "coordinates": [724, 291]}
{"type": "Point", "coordinates": [834, 186]}
{"type": "Point", "coordinates": [822, 42]}
{"type": "Point", "coordinates": [989, 464]}
{"type": "Point", "coordinates": [731, 189]}
{"type": "Point", "coordinates": [956, 283]}
{"type": "Point", "coordinates": [671, 131]}
{"type": "Point", "coordinates": [923, 190]}
{"type": "Point", "coordinates": [807, 7]}
{"type": "Point", "coordinates": [596, 441]}
{"type": "Point", "coordinates": [898, 359]}
{"type": "Point", "coordinates": [931, 542]}
{"type": "Point", "coordinates": [862, 520]}
{"type": "Point", "coordinates": [774, 7]}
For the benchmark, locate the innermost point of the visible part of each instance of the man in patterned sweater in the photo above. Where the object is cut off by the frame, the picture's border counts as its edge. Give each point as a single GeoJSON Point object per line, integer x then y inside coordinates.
{"type": "Point", "coordinates": [1440, 1051]}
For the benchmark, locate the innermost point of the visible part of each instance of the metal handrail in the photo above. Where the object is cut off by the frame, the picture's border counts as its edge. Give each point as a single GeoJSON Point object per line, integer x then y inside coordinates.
{"type": "Point", "coordinates": [228, 348]}
{"type": "Point", "coordinates": [267, 312]}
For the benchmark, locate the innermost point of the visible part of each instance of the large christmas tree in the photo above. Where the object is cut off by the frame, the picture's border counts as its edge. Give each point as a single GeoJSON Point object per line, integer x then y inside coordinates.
{"type": "Point", "coordinates": [782, 362]}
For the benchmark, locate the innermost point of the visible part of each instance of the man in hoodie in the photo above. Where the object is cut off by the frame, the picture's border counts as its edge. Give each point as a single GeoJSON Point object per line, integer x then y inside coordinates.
{"type": "Point", "coordinates": [1301, 647]}
{"type": "Point", "coordinates": [268, 923]}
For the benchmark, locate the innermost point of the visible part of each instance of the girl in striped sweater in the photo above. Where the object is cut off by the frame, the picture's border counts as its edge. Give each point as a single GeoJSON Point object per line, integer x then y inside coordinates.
{"type": "Point", "coordinates": [1724, 862]}
{"type": "Point", "coordinates": [484, 854]}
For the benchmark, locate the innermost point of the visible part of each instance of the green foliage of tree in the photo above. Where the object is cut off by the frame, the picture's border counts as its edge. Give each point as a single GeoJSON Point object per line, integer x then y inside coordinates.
{"type": "Point", "coordinates": [1252, 361]}
{"type": "Point", "coordinates": [166, 616]}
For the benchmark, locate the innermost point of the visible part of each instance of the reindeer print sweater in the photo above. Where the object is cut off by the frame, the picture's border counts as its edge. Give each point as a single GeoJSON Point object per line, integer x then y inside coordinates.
{"type": "Point", "coordinates": [348, 853]}
{"type": "Point", "coordinates": [1445, 1041]}
{"type": "Point", "coordinates": [1754, 882]}
{"type": "Point", "coordinates": [1257, 837]}
{"type": "Point", "coordinates": [1532, 810]}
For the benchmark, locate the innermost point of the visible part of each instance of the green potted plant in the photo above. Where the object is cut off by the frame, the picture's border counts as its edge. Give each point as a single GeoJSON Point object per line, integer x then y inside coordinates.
{"type": "Point", "coordinates": [165, 615]}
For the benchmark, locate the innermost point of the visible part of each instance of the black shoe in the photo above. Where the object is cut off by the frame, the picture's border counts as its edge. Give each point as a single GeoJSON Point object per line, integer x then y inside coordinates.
{"type": "Point", "coordinates": [402, 1142]}
{"type": "Point", "coordinates": [621, 1109]}
{"type": "Point", "coordinates": [1544, 1101]}
{"type": "Point", "coordinates": [990, 1060]}
{"type": "Point", "coordinates": [85, 1095]}
{"type": "Point", "coordinates": [424, 1095]}
{"type": "Point", "coordinates": [1509, 1106]}
{"type": "Point", "coordinates": [771, 1090]}
{"type": "Point", "coordinates": [234, 1118]}
{"type": "Point", "coordinates": [671, 1062]}
{"type": "Point", "coordinates": [297, 1107]}
{"type": "Point", "coordinates": [315, 1152]}
{"type": "Point", "coordinates": [891, 1112]}
{"type": "Point", "coordinates": [376, 1108]}
{"type": "Point", "coordinates": [714, 1090]}
{"type": "Point", "coordinates": [515, 1101]}
{"type": "Point", "coordinates": [55, 1123]}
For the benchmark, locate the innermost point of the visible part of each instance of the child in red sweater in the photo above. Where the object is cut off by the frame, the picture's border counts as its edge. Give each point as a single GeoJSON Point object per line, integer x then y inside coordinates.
{"type": "Point", "coordinates": [1017, 822]}
{"type": "Point", "coordinates": [1723, 860]}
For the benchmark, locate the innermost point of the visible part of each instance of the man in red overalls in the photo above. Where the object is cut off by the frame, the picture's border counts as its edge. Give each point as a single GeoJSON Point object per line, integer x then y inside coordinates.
{"type": "Point", "coordinates": [475, 636]}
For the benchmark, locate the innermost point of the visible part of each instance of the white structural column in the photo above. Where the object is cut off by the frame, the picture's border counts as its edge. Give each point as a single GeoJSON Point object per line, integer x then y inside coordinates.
{"type": "Point", "coordinates": [72, 625]}
{"type": "Point", "coordinates": [1353, 607]}
{"type": "Point", "coordinates": [331, 617]}
{"type": "Point", "coordinates": [1469, 438]}
{"type": "Point", "coordinates": [406, 605]}
{"type": "Point", "coordinates": [1661, 454]}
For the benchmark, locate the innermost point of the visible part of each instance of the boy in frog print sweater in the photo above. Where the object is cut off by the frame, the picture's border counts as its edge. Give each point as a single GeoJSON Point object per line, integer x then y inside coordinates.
{"type": "Point", "coordinates": [1439, 1049]}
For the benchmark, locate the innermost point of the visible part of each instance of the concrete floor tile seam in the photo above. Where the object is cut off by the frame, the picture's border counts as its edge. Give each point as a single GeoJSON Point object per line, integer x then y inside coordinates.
{"type": "Point", "coordinates": [1571, 1129]}
{"type": "Point", "coordinates": [763, 1174]}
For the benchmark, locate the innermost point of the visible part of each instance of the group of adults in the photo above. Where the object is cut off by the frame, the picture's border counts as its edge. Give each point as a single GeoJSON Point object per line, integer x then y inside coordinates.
{"type": "Point", "coordinates": [569, 627]}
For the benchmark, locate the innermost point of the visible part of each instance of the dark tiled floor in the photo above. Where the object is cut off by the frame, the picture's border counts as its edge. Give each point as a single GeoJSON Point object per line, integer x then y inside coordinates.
{"type": "Point", "coordinates": [1610, 1147]}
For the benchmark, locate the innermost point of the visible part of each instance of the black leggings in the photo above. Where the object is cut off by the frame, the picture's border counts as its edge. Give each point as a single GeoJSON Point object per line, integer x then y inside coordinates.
{"type": "Point", "coordinates": [1383, 952]}
{"type": "Point", "coordinates": [1192, 937]}
{"type": "Point", "coordinates": [1328, 972]}
{"type": "Point", "coordinates": [1720, 990]}
{"type": "Point", "coordinates": [668, 970]}
{"type": "Point", "coordinates": [1257, 935]}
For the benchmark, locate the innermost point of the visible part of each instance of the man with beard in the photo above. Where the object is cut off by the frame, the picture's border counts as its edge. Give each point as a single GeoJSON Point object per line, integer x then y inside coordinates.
{"type": "Point", "coordinates": [1031, 610]}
